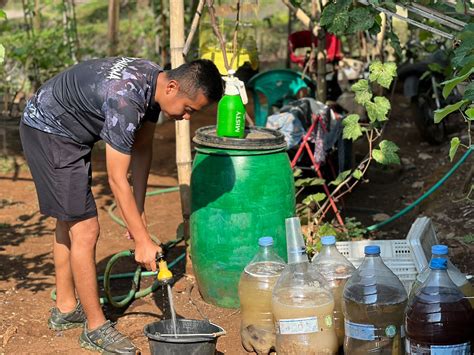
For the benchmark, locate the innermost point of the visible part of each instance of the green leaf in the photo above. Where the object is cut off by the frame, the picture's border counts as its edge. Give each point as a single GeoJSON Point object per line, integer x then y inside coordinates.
{"type": "Point", "coordinates": [443, 112]}
{"type": "Point", "coordinates": [469, 239]}
{"type": "Point", "coordinates": [297, 172]}
{"type": "Point", "coordinates": [378, 110]}
{"type": "Point", "coordinates": [360, 19]}
{"type": "Point", "coordinates": [335, 18]}
{"type": "Point", "coordinates": [340, 178]}
{"type": "Point", "coordinates": [318, 197]}
{"type": "Point", "coordinates": [465, 49]}
{"type": "Point", "coordinates": [455, 142]}
{"type": "Point", "coordinates": [459, 6]}
{"type": "Point", "coordinates": [362, 91]}
{"type": "Point", "coordinates": [309, 182]}
{"type": "Point", "coordinates": [449, 85]}
{"type": "Point", "coordinates": [2, 53]}
{"type": "Point", "coordinates": [382, 73]}
{"type": "Point", "coordinates": [327, 229]}
{"type": "Point", "coordinates": [387, 154]}
{"type": "Point", "coordinates": [357, 174]}
{"type": "Point", "coordinates": [3, 15]}
{"type": "Point", "coordinates": [470, 113]}
{"type": "Point", "coordinates": [352, 129]}
{"type": "Point", "coordinates": [395, 43]}
{"type": "Point", "coordinates": [469, 93]}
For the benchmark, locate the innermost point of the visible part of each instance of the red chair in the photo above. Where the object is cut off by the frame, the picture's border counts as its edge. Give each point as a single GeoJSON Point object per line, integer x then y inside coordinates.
{"type": "Point", "coordinates": [305, 39]}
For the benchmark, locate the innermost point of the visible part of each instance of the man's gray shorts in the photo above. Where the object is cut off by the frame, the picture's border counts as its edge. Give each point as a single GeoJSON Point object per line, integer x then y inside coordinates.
{"type": "Point", "coordinates": [61, 170]}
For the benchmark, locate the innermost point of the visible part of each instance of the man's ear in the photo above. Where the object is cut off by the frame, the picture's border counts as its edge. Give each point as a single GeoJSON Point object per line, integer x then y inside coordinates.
{"type": "Point", "coordinates": [172, 87]}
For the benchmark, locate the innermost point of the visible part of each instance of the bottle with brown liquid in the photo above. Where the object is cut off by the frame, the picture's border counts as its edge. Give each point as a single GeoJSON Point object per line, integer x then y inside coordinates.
{"type": "Point", "coordinates": [374, 302]}
{"type": "Point", "coordinates": [439, 319]}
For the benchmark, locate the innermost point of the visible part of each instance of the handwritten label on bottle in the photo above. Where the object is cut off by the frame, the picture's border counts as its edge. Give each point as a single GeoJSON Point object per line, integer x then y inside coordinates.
{"type": "Point", "coordinates": [359, 331]}
{"type": "Point", "coordinates": [298, 325]}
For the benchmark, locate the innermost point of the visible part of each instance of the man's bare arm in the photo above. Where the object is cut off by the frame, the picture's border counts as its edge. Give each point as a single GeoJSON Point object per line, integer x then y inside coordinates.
{"type": "Point", "coordinates": [117, 169]}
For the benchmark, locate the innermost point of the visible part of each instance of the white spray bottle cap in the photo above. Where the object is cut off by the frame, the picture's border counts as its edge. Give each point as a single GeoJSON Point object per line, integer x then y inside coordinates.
{"type": "Point", "coordinates": [233, 86]}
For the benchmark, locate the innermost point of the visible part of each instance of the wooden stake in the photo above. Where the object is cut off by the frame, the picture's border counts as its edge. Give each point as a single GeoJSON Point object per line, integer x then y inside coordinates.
{"type": "Point", "coordinates": [183, 140]}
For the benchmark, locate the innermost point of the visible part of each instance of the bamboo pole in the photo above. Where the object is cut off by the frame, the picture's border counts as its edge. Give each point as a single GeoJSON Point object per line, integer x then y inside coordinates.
{"type": "Point", "coordinates": [183, 140]}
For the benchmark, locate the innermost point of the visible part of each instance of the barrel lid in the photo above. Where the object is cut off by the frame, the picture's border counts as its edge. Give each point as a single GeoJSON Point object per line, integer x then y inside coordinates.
{"type": "Point", "coordinates": [256, 138]}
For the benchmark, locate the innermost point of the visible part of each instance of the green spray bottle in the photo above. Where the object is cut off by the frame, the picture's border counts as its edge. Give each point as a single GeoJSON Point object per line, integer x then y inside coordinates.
{"type": "Point", "coordinates": [231, 109]}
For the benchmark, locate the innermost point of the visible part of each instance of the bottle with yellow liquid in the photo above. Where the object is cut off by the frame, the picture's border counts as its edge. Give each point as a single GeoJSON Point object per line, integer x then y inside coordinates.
{"type": "Point", "coordinates": [231, 109]}
{"type": "Point", "coordinates": [255, 293]}
{"type": "Point", "coordinates": [303, 307]}
{"type": "Point", "coordinates": [336, 269]}
{"type": "Point", "coordinates": [441, 252]}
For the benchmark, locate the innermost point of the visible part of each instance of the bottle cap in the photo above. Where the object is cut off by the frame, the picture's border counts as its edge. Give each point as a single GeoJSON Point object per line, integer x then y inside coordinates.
{"type": "Point", "coordinates": [439, 264]}
{"type": "Point", "coordinates": [265, 241]}
{"type": "Point", "coordinates": [372, 249]}
{"type": "Point", "coordinates": [439, 249]}
{"type": "Point", "coordinates": [328, 240]}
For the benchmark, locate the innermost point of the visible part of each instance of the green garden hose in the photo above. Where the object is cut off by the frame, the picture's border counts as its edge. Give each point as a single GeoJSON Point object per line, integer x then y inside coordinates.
{"type": "Point", "coordinates": [123, 300]}
{"type": "Point", "coordinates": [426, 194]}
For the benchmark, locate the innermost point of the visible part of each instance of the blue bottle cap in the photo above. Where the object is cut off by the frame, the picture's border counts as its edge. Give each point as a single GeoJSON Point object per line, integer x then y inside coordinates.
{"type": "Point", "coordinates": [372, 249]}
{"type": "Point", "coordinates": [265, 241]}
{"type": "Point", "coordinates": [439, 249]}
{"type": "Point", "coordinates": [439, 264]}
{"type": "Point", "coordinates": [328, 240]}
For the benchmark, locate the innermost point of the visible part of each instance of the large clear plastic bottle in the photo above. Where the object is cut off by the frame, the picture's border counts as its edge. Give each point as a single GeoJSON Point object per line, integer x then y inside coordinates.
{"type": "Point", "coordinates": [303, 306]}
{"type": "Point", "coordinates": [439, 319]}
{"type": "Point", "coordinates": [374, 303]}
{"type": "Point", "coordinates": [459, 279]}
{"type": "Point", "coordinates": [336, 269]}
{"type": "Point", "coordinates": [255, 292]}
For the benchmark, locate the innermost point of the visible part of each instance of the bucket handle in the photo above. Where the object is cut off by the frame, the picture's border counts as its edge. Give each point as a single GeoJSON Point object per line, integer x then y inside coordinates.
{"type": "Point", "coordinates": [213, 335]}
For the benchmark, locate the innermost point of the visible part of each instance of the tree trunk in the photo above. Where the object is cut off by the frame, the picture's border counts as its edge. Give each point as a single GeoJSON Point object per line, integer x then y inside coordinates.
{"type": "Point", "coordinates": [113, 28]}
{"type": "Point", "coordinates": [36, 17]}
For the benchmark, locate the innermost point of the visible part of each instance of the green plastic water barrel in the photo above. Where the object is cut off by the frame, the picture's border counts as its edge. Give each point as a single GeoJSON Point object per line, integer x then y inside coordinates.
{"type": "Point", "coordinates": [241, 190]}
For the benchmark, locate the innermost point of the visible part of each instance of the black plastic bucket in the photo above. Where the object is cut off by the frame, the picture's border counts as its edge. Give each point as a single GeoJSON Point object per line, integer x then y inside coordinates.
{"type": "Point", "coordinates": [194, 337]}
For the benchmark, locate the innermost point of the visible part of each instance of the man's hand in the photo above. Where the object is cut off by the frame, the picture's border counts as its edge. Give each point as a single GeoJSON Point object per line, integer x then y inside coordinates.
{"type": "Point", "coordinates": [145, 254]}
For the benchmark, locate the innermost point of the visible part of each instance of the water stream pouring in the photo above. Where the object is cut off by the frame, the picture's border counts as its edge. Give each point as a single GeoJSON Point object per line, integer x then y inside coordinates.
{"type": "Point", "coordinates": [165, 277]}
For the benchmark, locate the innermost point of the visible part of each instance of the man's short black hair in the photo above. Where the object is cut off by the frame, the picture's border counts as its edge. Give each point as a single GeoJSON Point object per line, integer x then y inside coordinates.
{"type": "Point", "coordinates": [200, 74]}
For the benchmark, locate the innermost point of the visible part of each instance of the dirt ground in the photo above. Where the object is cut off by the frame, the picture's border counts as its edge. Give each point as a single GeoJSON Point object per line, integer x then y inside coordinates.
{"type": "Point", "coordinates": [26, 264]}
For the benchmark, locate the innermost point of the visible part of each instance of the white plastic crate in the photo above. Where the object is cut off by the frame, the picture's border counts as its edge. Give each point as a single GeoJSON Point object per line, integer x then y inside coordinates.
{"type": "Point", "coordinates": [396, 254]}
{"type": "Point", "coordinates": [421, 237]}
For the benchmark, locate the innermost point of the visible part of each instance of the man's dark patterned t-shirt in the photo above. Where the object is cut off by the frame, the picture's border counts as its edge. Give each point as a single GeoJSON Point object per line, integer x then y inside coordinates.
{"type": "Point", "coordinates": [97, 99]}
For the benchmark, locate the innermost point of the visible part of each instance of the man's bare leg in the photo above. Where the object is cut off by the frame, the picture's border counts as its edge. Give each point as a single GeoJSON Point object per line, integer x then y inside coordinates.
{"type": "Point", "coordinates": [84, 235]}
{"type": "Point", "coordinates": [65, 293]}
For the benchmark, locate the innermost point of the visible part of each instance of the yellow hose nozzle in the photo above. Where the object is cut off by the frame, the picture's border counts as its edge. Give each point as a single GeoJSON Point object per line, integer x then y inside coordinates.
{"type": "Point", "coordinates": [164, 275]}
